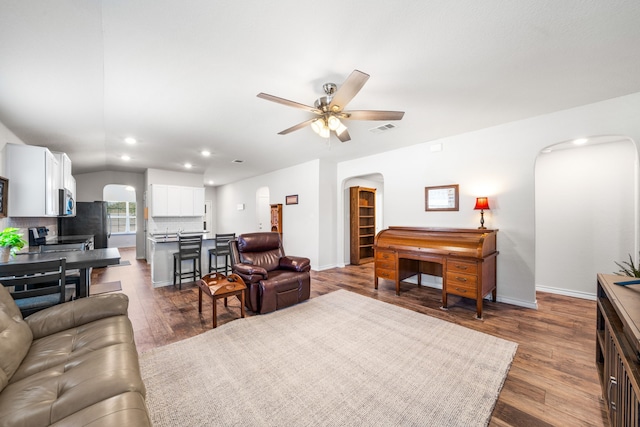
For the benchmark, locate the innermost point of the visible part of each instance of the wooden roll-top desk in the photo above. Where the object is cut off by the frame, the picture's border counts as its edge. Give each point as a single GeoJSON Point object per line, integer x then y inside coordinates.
{"type": "Point", "coordinates": [464, 258]}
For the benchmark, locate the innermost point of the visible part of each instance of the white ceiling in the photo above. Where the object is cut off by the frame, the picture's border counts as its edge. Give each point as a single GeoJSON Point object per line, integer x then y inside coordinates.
{"type": "Point", "coordinates": [182, 75]}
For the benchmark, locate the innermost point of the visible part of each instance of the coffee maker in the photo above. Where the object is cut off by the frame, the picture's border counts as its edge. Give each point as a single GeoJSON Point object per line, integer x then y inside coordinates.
{"type": "Point", "coordinates": [38, 236]}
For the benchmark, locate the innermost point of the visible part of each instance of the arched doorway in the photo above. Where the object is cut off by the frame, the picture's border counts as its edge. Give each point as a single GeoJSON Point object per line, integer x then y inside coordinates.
{"type": "Point", "coordinates": [121, 215]}
{"type": "Point", "coordinates": [586, 212]}
{"type": "Point", "coordinates": [373, 180]}
{"type": "Point", "coordinates": [263, 212]}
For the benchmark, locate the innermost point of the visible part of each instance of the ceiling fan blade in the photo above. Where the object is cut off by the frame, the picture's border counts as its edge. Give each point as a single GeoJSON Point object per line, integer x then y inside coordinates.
{"type": "Point", "coordinates": [373, 115]}
{"type": "Point", "coordinates": [348, 90]}
{"type": "Point", "coordinates": [344, 136]}
{"type": "Point", "coordinates": [288, 103]}
{"type": "Point", "coordinates": [298, 126]}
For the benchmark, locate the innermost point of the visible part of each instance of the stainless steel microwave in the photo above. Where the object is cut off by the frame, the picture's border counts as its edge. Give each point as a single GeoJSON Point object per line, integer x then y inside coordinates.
{"type": "Point", "coordinates": [66, 202]}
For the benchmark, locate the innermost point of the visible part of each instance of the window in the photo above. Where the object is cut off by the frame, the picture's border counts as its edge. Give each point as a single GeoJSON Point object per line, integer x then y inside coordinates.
{"type": "Point", "coordinates": [123, 217]}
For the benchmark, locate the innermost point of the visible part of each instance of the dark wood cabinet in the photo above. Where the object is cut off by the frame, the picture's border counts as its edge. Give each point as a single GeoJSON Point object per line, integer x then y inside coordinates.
{"type": "Point", "coordinates": [363, 224]}
{"type": "Point", "coordinates": [276, 217]}
{"type": "Point", "coordinates": [618, 348]}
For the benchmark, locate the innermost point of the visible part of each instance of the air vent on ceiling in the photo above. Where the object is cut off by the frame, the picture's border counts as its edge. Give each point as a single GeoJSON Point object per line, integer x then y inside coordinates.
{"type": "Point", "coordinates": [237, 161]}
{"type": "Point", "coordinates": [383, 128]}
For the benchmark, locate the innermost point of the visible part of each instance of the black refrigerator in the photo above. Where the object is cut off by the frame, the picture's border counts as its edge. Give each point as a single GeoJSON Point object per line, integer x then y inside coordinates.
{"type": "Point", "coordinates": [91, 218]}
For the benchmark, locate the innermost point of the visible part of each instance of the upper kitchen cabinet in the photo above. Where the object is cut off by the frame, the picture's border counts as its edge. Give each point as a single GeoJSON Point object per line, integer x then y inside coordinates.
{"type": "Point", "coordinates": [176, 201]}
{"type": "Point", "coordinates": [67, 181]}
{"type": "Point", "coordinates": [34, 179]}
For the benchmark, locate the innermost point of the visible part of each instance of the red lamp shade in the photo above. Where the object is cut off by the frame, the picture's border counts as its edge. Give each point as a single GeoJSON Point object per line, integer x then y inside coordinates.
{"type": "Point", "coordinates": [482, 203]}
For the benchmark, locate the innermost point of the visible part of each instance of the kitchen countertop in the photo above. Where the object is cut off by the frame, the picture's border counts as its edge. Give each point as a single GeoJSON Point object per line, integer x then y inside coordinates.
{"type": "Point", "coordinates": [173, 237]}
{"type": "Point", "coordinates": [61, 240]}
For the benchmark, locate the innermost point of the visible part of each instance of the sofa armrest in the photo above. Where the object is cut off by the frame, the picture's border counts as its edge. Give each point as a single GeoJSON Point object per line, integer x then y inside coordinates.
{"type": "Point", "coordinates": [249, 272]}
{"type": "Point", "coordinates": [295, 263]}
{"type": "Point", "coordinates": [75, 313]}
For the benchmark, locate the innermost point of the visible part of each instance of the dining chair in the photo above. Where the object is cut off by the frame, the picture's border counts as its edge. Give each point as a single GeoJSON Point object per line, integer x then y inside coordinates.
{"type": "Point", "coordinates": [221, 248]}
{"type": "Point", "coordinates": [37, 285]}
{"type": "Point", "coordinates": [72, 276]}
{"type": "Point", "coordinates": [189, 249]}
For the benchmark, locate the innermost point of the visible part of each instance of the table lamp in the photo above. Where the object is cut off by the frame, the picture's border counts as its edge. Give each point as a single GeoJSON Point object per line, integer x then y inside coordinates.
{"type": "Point", "coordinates": [482, 203]}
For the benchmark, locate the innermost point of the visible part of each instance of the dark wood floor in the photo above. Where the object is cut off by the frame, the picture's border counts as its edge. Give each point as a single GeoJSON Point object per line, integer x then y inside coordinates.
{"type": "Point", "coordinates": [552, 381]}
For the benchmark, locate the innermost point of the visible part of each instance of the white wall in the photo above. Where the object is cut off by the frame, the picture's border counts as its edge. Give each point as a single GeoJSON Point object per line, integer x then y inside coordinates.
{"type": "Point", "coordinates": [497, 162]}
{"type": "Point", "coordinates": [300, 223]}
{"type": "Point", "coordinates": [159, 176]}
{"type": "Point", "coordinates": [210, 194]}
{"type": "Point", "coordinates": [327, 238]}
{"type": "Point", "coordinates": [585, 205]}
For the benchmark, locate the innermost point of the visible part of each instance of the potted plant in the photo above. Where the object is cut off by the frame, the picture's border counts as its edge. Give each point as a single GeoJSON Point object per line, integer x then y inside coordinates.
{"type": "Point", "coordinates": [10, 242]}
{"type": "Point", "coordinates": [628, 268]}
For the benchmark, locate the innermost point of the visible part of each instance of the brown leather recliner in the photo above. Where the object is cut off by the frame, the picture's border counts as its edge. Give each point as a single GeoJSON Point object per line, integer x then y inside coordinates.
{"type": "Point", "coordinates": [273, 280]}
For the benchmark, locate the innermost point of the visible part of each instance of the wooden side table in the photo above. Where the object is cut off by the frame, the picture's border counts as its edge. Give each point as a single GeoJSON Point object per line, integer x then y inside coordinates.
{"type": "Point", "coordinates": [218, 286]}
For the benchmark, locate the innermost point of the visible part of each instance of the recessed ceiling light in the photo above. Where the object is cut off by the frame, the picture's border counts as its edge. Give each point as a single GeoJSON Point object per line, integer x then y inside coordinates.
{"type": "Point", "coordinates": [130, 140]}
{"type": "Point", "coordinates": [205, 153]}
{"type": "Point", "coordinates": [210, 182]}
{"type": "Point", "coordinates": [125, 157]}
{"type": "Point", "coordinates": [188, 165]}
{"type": "Point", "coordinates": [580, 141]}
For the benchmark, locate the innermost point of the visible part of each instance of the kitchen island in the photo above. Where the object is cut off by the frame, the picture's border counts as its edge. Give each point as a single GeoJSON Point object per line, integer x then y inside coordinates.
{"type": "Point", "coordinates": [161, 250]}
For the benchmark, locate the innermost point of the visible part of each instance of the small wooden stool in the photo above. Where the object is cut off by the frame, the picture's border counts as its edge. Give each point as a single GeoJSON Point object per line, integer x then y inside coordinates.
{"type": "Point", "coordinates": [218, 286]}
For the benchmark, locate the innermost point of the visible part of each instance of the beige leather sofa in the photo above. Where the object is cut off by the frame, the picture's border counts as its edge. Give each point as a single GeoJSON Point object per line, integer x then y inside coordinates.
{"type": "Point", "coordinates": [73, 364]}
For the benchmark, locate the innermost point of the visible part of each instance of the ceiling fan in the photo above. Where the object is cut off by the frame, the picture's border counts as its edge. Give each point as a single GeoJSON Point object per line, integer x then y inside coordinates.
{"type": "Point", "coordinates": [330, 108]}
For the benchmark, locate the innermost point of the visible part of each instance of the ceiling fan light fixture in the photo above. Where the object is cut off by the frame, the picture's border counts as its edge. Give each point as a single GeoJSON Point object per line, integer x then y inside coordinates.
{"type": "Point", "coordinates": [333, 122]}
{"type": "Point", "coordinates": [316, 126]}
{"type": "Point", "coordinates": [325, 132]}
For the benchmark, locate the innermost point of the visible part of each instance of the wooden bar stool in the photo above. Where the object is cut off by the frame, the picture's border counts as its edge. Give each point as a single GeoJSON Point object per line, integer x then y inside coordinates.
{"type": "Point", "coordinates": [218, 286]}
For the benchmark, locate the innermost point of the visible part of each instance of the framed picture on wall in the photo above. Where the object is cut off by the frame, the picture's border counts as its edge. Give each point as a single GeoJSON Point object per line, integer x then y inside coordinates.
{"type": "Point", "coordinates": [4, 199]}
{"type": "Point", "coordinates": [441, 198]}
{"type": "Point", "coordinates": [292, 200]}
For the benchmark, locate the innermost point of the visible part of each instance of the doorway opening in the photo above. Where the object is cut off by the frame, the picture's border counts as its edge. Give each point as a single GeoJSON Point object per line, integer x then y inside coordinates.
{"type": "Point", "coordinates": [121, 215]}
{"type": "Point", "coordinates": [373, 180]}
{"type": "Point", "coordinates": [263, 209]}
{"type": "Point", "coordinates": [586, 212]}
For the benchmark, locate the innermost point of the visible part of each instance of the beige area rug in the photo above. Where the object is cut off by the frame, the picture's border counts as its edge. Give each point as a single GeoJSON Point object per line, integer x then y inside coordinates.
{"type": "Point", "coordinates": [103, 288]}
{"type": "Point", "coordinates": [340, 359]}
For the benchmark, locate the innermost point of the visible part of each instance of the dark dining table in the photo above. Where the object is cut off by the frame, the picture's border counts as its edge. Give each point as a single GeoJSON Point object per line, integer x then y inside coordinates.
{"type": "Point", "coordinates": [80, 260]}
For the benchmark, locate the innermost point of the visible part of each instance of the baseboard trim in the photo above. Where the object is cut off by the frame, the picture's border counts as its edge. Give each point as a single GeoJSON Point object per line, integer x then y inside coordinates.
{"type": "Point", "coordinates": [513, 301]}
{"type": "Point", "coordinates": [566, 292]}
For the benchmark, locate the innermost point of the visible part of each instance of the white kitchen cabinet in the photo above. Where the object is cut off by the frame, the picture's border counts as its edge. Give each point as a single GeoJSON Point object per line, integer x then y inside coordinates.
{"type": "Point", "coordinates": [176, 201]}
{"type": "Point", "coordinates": [33, 174]}
{"type": "Point", "coordinates": [159, 200]}
{"type": "Point", "coordinates": [64, 164]}
{"type": "Point", "coordinates": [198, 201]}
{"type": "Point", "coordinates": [174, 196]}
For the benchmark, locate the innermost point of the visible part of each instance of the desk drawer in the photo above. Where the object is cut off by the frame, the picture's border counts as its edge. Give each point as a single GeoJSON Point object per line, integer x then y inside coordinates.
{"type": "Point", "coordinates": [462, 290]}
{"type": "Point", "coordinates": [462, 284]}
{"type": "Point", "coordinates": [467, 267]}
{"type": "Point", "coordinates": [386, 273]}
{"type": "Point", "coordinates": [466, 281]}
{"type": "Point", "coordinates": [382, 255]}
{"type": "Point", "coordinates": [387, 265]}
